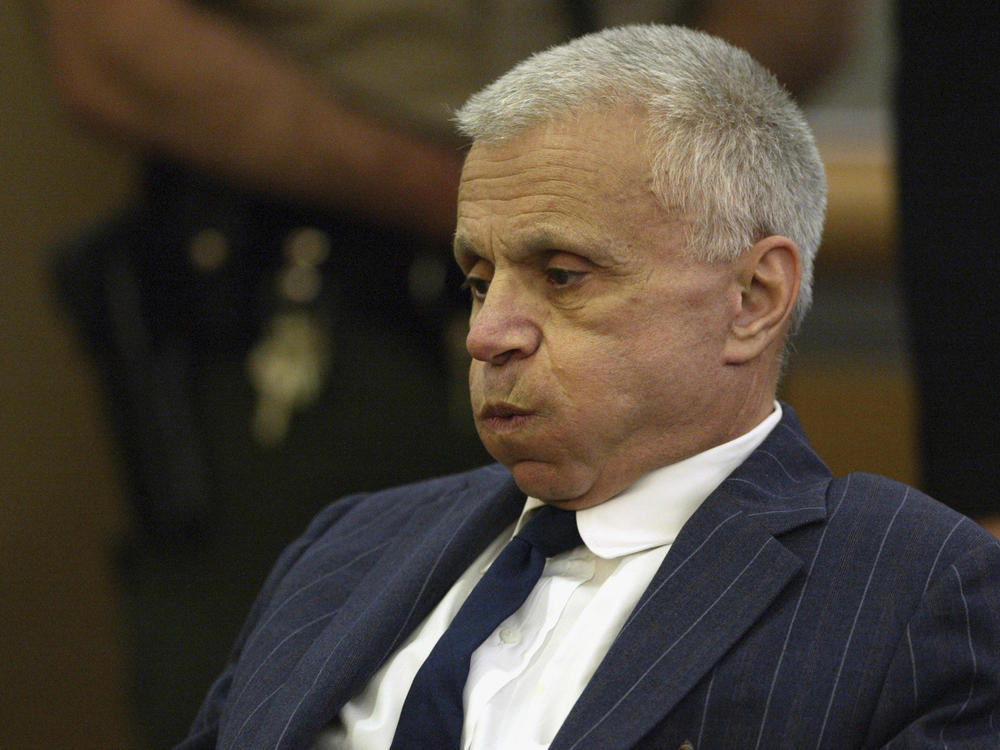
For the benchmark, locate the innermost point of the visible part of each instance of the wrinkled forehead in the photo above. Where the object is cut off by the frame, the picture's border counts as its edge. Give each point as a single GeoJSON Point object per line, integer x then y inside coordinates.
{"type": "Point", "coordinates": [604, 152]}
{"type": "Point", "coordinates": [590, 171]}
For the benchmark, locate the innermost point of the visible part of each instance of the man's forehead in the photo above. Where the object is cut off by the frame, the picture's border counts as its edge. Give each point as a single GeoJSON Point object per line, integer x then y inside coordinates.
{"type": "Point", "coordinates": [559, 172]}
{"type": "Point", "coordinates": [593, 131]}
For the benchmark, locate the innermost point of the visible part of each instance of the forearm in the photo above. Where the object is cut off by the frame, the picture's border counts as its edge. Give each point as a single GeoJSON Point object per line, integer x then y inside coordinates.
{"type": "Point", "coordinates": [174, 79]}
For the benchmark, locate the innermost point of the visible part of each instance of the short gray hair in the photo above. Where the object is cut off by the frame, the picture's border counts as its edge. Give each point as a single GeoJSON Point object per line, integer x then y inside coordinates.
{"type": "Point", "coordinates": [728, 147]}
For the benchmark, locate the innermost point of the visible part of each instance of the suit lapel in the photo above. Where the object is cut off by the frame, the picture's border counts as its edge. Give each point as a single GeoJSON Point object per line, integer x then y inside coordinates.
{"type": "Point", "coordinates": [720, 576]}
{"type": "Point", "coordinates": [442, 541]}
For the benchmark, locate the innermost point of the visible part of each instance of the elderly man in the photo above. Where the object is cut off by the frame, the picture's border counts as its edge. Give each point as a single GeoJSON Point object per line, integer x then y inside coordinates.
{"type": "Point", "coordinates": [637, 221]}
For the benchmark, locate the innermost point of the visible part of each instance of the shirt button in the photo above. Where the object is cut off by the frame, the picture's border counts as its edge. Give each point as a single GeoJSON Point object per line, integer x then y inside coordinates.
{"type": "Point", "coordinates": [510, 636]}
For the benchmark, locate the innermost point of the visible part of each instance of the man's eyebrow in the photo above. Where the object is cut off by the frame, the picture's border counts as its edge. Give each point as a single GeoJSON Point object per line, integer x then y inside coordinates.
{"type": "Point", "coordinates": [462, 247]}
{"type": "Point", "coordinates": [596, 250]}
{"type": "Point", "coordinates": [542, 240]}
{"type": "Point", "coordinates": [534, 243]}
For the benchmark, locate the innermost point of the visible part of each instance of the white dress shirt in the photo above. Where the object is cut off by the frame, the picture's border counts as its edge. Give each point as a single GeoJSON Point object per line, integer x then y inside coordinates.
{"type": "Point", "coordinates": [524, 679]}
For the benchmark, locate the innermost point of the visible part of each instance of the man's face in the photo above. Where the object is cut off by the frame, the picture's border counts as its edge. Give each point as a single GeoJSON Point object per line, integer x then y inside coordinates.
{"type": "Point", "coordinates": [596, 341]}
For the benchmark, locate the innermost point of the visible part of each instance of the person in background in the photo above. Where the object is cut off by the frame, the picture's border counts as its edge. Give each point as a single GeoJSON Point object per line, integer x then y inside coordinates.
{"type": "Point", "coordinates": [659, 559]}
{"type": "Point", "coordinates": [256, 362]}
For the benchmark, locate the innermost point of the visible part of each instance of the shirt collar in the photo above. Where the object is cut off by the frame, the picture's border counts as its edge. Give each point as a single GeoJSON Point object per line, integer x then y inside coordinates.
{"type": "Point", "coordinates": [651, 512]}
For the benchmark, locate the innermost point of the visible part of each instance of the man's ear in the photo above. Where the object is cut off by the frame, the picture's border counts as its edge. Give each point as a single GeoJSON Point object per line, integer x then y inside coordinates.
{"type": "Point", "coordinates": [769, 277]}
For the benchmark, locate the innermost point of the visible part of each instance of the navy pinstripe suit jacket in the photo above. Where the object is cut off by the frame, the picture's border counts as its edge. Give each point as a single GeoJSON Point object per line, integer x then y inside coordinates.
{"type": "Point", "coordinates": [794, 610]}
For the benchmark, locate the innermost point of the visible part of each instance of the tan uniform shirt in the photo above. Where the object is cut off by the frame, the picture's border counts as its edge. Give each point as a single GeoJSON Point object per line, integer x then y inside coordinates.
{"type": "Point", "coordinates": [416, 61]}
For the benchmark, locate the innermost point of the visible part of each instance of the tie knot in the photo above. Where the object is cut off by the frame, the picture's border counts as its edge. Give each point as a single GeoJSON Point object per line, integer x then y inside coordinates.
{"type": "Point", "coordinates": [552, 530]}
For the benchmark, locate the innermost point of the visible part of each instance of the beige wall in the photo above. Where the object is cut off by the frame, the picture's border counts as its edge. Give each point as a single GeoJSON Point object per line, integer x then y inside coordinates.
{"type": "Point", "coordinates": [60, 660]}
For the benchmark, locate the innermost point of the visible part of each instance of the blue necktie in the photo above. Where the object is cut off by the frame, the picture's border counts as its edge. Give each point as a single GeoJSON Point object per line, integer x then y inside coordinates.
{"type": "Point", "coordinates": [432, 715]}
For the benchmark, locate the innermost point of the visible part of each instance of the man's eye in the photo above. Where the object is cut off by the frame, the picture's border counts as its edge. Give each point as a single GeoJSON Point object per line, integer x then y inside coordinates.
{"type": "Point", "coordinates": [561, 276]}
{"type": "Point", "coordinates": [477, 287]}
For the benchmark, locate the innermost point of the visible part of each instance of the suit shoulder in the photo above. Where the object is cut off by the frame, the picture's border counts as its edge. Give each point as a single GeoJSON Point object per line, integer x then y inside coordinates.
{"type": "Point", "coordinates": [352, 532]}
{"type": "Point", "coordinates": [905, 513]}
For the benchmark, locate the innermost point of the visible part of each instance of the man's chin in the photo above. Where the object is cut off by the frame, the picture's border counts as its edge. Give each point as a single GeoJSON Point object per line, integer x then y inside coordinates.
{"type": "Point", "coordinates": [562, 486]}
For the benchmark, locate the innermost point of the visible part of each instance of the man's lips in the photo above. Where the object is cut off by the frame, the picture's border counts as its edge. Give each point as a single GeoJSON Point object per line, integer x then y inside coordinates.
{"type": "Point", "coordinates": [503, 417]}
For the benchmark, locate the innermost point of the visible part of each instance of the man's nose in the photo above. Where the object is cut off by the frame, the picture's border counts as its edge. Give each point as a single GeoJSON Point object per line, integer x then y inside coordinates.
{"type": "Point", "coordinates": [503, 327]}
